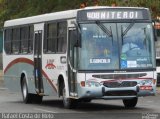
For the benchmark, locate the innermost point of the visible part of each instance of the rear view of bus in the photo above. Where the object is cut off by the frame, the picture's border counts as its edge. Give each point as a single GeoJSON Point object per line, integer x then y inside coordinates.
{"type": "Point", "coordinates": [115, 57]}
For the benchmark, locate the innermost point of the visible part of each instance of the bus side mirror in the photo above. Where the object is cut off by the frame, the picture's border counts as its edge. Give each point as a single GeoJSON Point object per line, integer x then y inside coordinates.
{"type": "Point", "coordinates": [154, 30]}
{"type": "Point", "coordinates": [155, 34]}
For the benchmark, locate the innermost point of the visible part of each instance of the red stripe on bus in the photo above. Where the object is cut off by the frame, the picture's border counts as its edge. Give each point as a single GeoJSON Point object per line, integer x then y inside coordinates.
{"type": "Point", "coordinates": [21, 60]}
{"type": "Point", "coordinates": [28, 61]}
{"type": "Point", "coordinates": [50, 82]}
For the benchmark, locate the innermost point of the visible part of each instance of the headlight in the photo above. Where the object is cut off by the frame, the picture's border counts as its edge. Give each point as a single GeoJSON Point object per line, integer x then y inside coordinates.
{"type": "Point", "coordinates": [92, 84]}
{"type": "Point", "coordinates": [145, 83]}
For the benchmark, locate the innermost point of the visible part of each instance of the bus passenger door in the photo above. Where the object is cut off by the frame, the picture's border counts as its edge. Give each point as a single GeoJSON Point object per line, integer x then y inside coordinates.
{"type": "Point", "coordinates": [72, 74]}
{"type": "Point", "coordinates": [38, 61]}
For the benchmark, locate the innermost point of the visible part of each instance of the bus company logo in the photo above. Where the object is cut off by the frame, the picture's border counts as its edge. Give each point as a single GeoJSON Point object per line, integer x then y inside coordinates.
{"type": "Point", "coordinates": [119, 81]}
{"type": "Point", "coordinates": [50, 64]}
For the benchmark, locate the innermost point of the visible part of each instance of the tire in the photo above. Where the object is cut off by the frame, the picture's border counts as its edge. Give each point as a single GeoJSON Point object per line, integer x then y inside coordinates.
{"type": "Point", "coordinates": [68, 102]}
{"type": "Point", "coordinates": [27, 98]}
{"type": "Point", "coordinates": [130, 103]}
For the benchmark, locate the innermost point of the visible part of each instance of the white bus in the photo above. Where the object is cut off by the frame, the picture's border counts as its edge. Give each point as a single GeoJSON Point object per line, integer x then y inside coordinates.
{"type": "Point", "coordinates": [80, 55]}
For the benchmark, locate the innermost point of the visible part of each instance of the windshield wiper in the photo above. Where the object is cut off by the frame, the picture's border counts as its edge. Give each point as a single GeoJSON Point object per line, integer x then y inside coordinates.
{"type": "Point", "coordinates": [104, 28]}
{"type": "Point", "coordinates": [127, 29]}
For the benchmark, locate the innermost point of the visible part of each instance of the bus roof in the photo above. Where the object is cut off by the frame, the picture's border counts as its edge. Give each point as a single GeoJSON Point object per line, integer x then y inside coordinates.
{"type": "Point", "coordinates": [41, 18]}
{"type": "Point", "coordinates": [68, 14]}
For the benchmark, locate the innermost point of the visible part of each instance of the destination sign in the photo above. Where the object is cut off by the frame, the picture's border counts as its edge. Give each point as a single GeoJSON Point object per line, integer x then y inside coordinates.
{"type": "Point", "coordinates": [112, 14]}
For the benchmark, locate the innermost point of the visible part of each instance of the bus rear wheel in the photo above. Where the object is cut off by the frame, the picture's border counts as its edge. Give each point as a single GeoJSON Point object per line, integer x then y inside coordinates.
{"type": "Point", "coordinates": [130, 103]}
{"type": "Point", "coordinates": [27, 98]}
{"type": "Point", "coordinates": [68, 103]}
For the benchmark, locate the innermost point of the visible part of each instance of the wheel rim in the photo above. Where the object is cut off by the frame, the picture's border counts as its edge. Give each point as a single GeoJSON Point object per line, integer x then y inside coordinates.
{"type": "Point", "coordinates": [24, 90]}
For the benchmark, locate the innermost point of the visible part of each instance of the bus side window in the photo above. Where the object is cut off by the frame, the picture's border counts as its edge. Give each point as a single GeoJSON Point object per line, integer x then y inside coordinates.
{"type": "Point", "coordinates": [7, 41]}
{"type": "Point", "coordinates": [16, 41]}
{"type": "Point", "coordinates": [24, 39]}
{"type": "Point", "coordinates": [30, 39]}
{"type": "Point", "coordinates": [51, 38]}
{"type": "Point", "coordinates": [56, 37]}
{"type": "Point", "coordinates": [62, 37]}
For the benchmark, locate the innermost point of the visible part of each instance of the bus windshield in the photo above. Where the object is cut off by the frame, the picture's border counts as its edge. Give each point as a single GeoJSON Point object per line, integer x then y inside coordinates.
{"type": "Point", "coordinates": [113, 46]}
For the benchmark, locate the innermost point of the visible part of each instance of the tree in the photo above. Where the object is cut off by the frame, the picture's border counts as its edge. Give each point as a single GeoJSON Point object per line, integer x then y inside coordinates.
{"type": "Point", "coordinates": [11, 9]}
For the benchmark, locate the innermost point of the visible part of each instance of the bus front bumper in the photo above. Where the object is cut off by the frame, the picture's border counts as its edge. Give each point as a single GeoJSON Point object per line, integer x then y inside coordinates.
{"type": "Point", "coordinates": [114, 93]}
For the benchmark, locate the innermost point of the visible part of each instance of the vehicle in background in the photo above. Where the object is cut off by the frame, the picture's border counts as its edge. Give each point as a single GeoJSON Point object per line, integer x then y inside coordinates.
{"type": "Point", "coordinates": [157, 47]}
{"type": "Point", "coordinates": [158, 70]}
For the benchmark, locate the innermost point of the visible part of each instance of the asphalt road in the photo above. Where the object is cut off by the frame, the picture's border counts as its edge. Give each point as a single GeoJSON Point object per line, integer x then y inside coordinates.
{"type": "Point", "coordinates": [98, 109]}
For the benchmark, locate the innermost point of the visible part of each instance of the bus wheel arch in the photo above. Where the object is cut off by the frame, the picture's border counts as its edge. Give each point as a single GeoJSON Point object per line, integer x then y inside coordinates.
{"type": "Point", "coordinates": [68, 102]}
{"type": "Point", "coordinates": [60, 85]}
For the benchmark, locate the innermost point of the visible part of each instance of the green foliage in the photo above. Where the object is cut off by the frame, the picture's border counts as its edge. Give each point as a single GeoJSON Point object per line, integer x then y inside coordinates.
{"type": "Point", "coordinates": [11, 9]}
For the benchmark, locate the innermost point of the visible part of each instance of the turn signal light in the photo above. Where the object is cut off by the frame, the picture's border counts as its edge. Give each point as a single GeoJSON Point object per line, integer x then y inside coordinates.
{"type": "Point", "coordinates": [145, 87]}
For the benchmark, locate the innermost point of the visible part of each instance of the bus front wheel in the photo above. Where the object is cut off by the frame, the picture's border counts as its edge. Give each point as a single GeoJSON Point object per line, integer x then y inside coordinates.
{"type": "Point", "coordinates": [68, 103]}
{"type": "Point", "coordinates": [130, 103]}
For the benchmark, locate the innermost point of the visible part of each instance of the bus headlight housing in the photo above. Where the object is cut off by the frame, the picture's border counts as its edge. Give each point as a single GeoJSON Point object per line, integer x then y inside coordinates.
{"type": "Point", "coordinates": [145, 83]}
{"type": "Point", "coordinates": [92, 84]}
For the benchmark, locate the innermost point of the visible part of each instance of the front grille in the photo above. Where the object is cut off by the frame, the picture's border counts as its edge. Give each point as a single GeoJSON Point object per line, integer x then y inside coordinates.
{"type": "Point", "coordinates": [117, 84]}
{"type": "Point", "coordinates": [120, 76]}
{"type": "Point", "coordinates": [120, 93]}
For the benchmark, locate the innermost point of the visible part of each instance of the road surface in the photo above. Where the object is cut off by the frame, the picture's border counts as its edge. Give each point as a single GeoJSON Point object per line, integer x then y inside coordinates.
{"type": "Point", "coordinates": [98, 109]}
